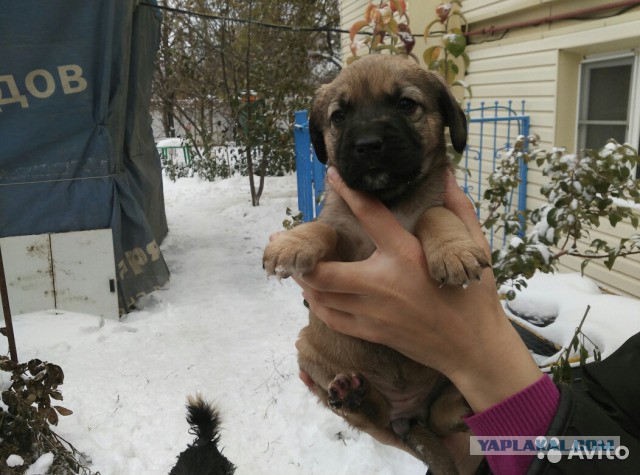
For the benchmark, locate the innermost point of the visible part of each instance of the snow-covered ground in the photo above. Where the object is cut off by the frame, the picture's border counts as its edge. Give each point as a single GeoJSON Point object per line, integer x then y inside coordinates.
{"type": "Point", "coordinates": [223, 329]}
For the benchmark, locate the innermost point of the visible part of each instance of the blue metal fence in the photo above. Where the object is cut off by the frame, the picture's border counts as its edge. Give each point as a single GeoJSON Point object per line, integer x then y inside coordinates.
{"type": "Point", "coordinates": [310, 172]}
{"type": "Point", "coordinates": [493, 130]}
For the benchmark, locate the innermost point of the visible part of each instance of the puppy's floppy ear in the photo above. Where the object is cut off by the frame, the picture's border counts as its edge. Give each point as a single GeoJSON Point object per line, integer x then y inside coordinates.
{"type": "Point", "coordinates": [316, 120]}
{"type": "Point", "coordinates": [455, 119]}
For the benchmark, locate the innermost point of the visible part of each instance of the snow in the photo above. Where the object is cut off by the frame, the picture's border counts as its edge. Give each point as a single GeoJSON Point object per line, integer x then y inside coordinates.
{"type": "Point", "coordinates": [41, 465]}
{"type": "Point", "coordinates": [14, 461]}
{"type": "Point", "coordinates": [223, 329]}
{"type": "Point", "coordinates": [220, 328]}
{"type": "Point", "coordinates": [170, 142]}
{"type": "Point", "coordinates": [611, 320]}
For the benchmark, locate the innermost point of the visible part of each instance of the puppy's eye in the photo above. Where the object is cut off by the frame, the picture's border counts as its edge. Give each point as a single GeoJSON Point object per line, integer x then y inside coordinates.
{"type": "Point", "coordinates": [407, 105]}
{"type": "Point", "coordinates": [337, 117]}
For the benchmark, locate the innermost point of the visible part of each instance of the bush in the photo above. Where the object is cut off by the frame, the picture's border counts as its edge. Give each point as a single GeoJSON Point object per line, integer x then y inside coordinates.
{"type": "Point", "coordinates": [224, 161]}
{"type": "Point", "coordinates": [25, 427]}
{"type": "Point", "coordinates": [583, 189]}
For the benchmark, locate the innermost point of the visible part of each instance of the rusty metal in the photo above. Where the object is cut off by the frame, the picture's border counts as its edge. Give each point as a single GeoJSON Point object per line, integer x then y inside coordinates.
{"type": "Point", "coordinates": [6, 310]}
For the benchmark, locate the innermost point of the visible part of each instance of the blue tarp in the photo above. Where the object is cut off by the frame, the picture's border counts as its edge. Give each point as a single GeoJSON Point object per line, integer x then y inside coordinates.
{"type": "Point", "coordinates": [76, 146]}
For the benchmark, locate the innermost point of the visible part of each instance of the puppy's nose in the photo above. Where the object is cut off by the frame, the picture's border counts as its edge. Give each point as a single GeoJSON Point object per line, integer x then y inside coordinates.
{"type": "Point", "coordinates": [368, 146]}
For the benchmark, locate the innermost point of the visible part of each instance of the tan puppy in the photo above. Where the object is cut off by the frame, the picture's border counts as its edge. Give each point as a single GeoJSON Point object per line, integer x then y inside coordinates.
{"type": "Point", "coordinates": [381, 123]}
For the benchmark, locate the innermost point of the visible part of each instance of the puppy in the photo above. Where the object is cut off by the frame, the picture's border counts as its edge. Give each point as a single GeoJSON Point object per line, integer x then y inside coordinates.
{"type": "Point", "coordinates": [202, 457]}
{"type": "Point", "coordinates": [381, 123]}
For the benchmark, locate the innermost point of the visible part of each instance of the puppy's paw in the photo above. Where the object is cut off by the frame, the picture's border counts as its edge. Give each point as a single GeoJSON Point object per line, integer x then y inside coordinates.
{"type": "Point", "coordinates": [456, 262]}
{"type": "Point", "coordinates": [346, 392]}
{"type": "Point", "coordinates": [296, 252]}
{"type": "Point", "coordinates": [289, 256]}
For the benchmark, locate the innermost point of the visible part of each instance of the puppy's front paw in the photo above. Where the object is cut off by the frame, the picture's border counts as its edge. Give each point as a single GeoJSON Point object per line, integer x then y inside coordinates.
{"type": "Point", "coordinates": [290, 255]}
{"type": "Point", "coordinates": [296, 252]}
{"type": "Point", "coordinates": [456, 262]}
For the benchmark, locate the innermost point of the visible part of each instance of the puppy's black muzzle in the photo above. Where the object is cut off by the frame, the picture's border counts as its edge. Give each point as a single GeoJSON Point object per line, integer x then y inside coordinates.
{"type": "Point", "coordinates": [369, 147]}
{"type": "Point", "coordinates": [380, 156]}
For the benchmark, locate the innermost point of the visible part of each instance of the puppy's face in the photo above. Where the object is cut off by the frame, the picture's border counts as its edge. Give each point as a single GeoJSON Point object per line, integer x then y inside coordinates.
{"type": "Point", "coordinates": [381, 123]}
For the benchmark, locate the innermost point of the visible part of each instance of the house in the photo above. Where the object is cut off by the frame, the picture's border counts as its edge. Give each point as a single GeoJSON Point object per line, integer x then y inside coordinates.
{"type": "Point", "coordinates": [576, 63]}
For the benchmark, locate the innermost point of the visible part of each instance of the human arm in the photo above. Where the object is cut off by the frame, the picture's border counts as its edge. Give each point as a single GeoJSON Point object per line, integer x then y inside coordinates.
{"type": "Point", "coordinates": [391, 299]}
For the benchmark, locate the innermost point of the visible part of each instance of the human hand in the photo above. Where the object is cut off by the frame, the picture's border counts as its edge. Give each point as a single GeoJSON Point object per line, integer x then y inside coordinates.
{"type": "Point", "coordinates": [391, 299]}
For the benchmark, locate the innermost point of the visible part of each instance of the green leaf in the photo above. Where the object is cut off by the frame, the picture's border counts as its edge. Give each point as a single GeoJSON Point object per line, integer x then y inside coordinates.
{"type": "Point", "coordinates": [614, 218]}
{"type": "Point", "coordinates": [584, 264]}
{"type": "Point", "coordinates": [455, 43]}
{"type": "Point", "coordinates": [574, 343]}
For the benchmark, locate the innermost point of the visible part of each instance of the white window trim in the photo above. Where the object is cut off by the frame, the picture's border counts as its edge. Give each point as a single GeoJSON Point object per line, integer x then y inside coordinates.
{"type": "Point", "coordinates": [633, 117]}
{"type": "Point", "coordinates": [633, 137]}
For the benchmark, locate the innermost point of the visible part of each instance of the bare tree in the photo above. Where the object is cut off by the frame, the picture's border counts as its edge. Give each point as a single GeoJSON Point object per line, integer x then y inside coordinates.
{"type": "Point", "coordinates": [242, 74]}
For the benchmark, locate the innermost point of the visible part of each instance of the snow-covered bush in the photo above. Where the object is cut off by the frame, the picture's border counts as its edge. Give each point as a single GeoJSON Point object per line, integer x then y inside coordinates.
{"type": "Point", "coordinates": [28, 410]}
{"type": "Point", "coordinates": [582, 190]}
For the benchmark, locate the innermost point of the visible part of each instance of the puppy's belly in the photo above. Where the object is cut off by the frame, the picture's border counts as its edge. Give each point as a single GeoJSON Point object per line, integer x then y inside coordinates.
{"type": "Point", "coordinates": [404, 384]}
{"type": "Point", "coordinates": [409, 403]}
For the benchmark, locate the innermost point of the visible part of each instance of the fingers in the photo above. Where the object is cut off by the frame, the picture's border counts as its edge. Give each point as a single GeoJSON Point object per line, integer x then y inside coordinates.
{"type": "Point", "coordinates": [379, 223]}
{"type": "Point", "coordinates": [334, 276]}
{"type": "Point", "coordinates": [339, 312]}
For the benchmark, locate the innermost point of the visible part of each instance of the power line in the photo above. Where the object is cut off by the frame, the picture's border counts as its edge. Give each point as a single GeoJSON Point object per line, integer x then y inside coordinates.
{"type": "Point", "coordinates": [275, 26]}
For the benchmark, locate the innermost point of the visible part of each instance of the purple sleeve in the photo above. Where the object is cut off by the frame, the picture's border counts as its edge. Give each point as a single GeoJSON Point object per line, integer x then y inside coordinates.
{"type": "Point", "coordinates": [526, 413]}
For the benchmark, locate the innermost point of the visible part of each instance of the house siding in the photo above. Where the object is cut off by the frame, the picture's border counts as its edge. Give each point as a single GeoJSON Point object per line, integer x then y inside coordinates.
{"type": "Point", "coordinates": [540, 64]}
{"type": "Point", "coordinates": [350, 12]}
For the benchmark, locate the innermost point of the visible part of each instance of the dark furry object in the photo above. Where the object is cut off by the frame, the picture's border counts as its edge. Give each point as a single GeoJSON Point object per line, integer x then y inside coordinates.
{"type": "Point", "coordinates": [203, 457]}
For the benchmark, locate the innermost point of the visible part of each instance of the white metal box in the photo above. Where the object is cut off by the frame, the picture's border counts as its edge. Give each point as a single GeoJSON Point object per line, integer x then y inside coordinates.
{"type": "Point", "coordinates": [68, 271]}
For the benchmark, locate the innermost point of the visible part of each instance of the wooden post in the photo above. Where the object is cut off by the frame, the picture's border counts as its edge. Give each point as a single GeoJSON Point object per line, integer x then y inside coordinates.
{"type": "Point", "coordinates": [4, 296]}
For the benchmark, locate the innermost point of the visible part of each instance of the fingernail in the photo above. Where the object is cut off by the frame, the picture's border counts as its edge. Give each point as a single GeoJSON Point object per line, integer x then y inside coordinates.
{"type": "Point", "coordinates": [332, 174]}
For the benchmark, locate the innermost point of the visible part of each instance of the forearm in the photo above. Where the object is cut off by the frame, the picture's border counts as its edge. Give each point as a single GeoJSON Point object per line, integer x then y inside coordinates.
{"type": "Point", "coordinates": [498, 367]}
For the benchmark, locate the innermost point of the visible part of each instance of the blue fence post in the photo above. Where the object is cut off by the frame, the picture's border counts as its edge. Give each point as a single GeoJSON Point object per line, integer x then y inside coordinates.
{"type": "Point", "coordinates": [522, 192]}
{"type": "Point", "coordinates": [310, 172]}
{"type": "Point", "coordinates": [303, 164]}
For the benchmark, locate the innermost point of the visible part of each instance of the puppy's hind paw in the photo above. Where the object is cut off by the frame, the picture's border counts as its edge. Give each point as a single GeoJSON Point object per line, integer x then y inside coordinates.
{"type": "Point", "coordinates": [346, 391]}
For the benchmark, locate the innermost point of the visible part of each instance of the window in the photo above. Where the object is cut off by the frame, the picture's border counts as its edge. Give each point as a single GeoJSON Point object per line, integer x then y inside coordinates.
{"type": "Point", "coordinates": [609, 102]}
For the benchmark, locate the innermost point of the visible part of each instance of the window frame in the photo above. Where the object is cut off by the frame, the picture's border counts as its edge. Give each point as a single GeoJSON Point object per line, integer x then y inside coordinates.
{"type": "Point", "coordinates": [632, 123]}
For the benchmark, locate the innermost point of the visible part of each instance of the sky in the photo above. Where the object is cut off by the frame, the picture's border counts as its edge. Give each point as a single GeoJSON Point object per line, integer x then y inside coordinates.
{"type": "Point", "coordinates": [222, 329]}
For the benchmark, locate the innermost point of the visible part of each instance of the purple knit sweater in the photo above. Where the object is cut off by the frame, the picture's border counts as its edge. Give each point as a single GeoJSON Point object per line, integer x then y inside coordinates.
{"type": "Point", "coordinates": [526, 413]}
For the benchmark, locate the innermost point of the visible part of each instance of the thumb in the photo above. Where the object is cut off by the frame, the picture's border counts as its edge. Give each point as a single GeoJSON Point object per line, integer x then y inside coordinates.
{"type": "Point", "coordinates": [380, 224]}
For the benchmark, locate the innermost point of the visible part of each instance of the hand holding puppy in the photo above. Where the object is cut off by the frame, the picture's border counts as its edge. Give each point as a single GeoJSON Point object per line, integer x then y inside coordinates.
{"type": "Point", "coordinates": [391, 299]}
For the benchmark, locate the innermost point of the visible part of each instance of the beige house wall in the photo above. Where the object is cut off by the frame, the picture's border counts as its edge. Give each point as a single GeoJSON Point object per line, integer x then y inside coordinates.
{"type": "Point", "coordinates": [540, 64]}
